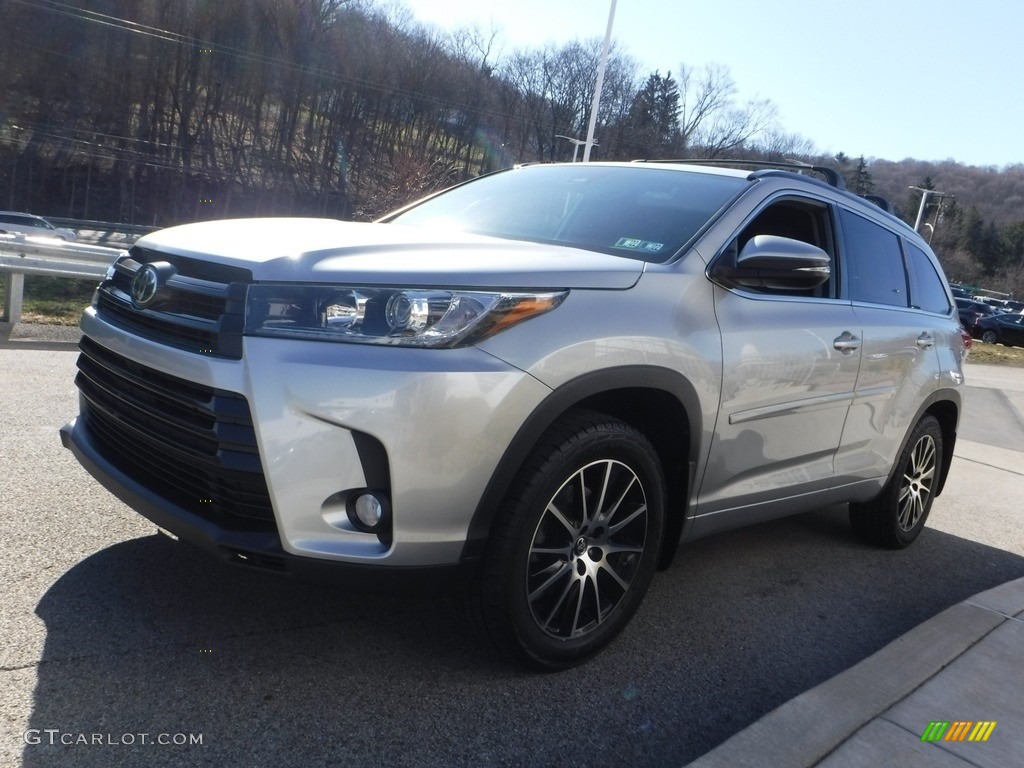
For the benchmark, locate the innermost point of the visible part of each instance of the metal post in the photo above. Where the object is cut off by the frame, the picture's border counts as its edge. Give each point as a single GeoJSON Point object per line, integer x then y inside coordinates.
{"type": "Point", "coordinates": [921, 207]}
{"type": "Point", "coordinates": [599, 84]}
{"type": "Point", "coordinates": [14, 288]}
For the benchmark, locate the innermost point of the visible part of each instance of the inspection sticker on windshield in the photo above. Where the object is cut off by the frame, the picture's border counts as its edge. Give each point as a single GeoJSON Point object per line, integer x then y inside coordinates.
{"type": "Point", "coordinates": [635, 244]}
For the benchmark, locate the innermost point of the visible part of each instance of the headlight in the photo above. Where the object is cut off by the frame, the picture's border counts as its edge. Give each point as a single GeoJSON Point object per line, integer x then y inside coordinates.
{"type": "Point", "coordinates": [415, 317]}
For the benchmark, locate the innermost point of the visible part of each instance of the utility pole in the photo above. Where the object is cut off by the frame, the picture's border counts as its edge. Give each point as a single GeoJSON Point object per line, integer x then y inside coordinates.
{"type": "Point", "coordinates": [599, 84]}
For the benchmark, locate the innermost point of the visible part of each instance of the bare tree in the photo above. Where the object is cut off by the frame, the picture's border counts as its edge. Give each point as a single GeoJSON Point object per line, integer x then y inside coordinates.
{"type": "Point", "coordinates": [777, 145]}
{"type": "Point", "coordinates": [712, 123]}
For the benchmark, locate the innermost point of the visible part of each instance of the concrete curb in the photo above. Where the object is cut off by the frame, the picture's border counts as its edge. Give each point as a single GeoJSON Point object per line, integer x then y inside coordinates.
{"type": "Point", "coordinates": [805, 730]}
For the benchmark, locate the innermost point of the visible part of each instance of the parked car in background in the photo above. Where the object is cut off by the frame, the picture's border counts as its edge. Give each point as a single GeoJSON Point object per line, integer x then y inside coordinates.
{"type": "Point", "coordinates": [971, 311]}
{"type": "Point", "coordinates": [999, 305]}
{"type": "Point", "coordinates": [1005, 328]}
{"type": "Point", "coordinates": [35, 226]}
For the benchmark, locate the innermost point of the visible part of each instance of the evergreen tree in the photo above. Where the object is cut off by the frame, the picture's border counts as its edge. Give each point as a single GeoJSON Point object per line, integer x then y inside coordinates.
{"type": "Point", "coordinates": [972, 233]}
{"type": "Point", "coordinates": [653, 122]}
{"type": "Point", "coordinates": [862, 183]}
{"type": "Point", "coordinates": [1013, 245]}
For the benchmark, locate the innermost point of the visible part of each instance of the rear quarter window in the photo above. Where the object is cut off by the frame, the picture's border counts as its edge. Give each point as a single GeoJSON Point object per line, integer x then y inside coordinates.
{"type": "Point", "coordinates": [927, 288]}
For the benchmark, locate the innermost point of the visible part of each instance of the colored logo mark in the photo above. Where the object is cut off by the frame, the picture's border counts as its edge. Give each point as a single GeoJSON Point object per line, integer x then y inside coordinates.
{"type": "Point", "coordinates": [958, 730]}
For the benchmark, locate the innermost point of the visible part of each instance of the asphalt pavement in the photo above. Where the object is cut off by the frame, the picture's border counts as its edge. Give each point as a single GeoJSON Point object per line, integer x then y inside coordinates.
{"type": "Point", "coordinates": [110, 631]}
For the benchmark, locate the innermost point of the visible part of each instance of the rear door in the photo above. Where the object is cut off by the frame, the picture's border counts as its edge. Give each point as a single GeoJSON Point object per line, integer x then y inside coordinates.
{"type": "Point", "coordinates": [906, 317]}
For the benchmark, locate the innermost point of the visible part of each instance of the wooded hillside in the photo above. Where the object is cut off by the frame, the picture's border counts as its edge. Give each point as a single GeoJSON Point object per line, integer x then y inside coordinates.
{"type": "Point", "coordinates": [162, 111]}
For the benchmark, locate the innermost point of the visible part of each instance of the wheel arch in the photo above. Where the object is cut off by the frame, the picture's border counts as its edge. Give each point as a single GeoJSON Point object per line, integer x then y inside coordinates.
{"type": "Point", "coordinates": [660, 403]}
{"type": "Point", "coordinates": [945, 406]}
{"type": "Point", "coordinates": [946, 409]}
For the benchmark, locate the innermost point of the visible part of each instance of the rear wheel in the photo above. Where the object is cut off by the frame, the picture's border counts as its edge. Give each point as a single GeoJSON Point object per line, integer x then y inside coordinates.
{"type": "Point", "coordinates": [989, 337]}
{"type": "Point", "coordinates": [575, 544]}
{"type": "Point", "coordinates": [898, 515]}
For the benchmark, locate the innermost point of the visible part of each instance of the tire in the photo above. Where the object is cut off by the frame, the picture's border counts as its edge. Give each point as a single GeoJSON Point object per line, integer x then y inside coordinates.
{"type": "Point", "coordinates": [990, 337]}
{"type": "Point", "coordinates": [897, 516]}
{"type": "Point", "coordinates": [575, 544]}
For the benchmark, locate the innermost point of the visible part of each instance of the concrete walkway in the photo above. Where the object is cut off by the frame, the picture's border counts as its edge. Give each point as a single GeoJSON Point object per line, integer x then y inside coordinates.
{"type": "Point", "coordinates": [966, 664]}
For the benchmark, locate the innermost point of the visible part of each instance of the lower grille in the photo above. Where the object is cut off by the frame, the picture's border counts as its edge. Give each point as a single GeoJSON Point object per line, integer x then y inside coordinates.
{"type": "Point", "coordinates": [193, 445]}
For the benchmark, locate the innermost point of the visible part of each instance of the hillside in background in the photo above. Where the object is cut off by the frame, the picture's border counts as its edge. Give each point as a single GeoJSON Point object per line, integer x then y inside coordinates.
{"type": "Point", "coordinates": [158, 113]}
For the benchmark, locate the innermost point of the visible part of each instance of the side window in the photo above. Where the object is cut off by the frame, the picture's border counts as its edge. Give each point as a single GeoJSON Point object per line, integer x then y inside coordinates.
{"type": "Point", "coordinates": [927, 290]}
{"type": "Point", "coordinates": [799, 219]}
{"type": "Point", "coordinates": [874, 262]}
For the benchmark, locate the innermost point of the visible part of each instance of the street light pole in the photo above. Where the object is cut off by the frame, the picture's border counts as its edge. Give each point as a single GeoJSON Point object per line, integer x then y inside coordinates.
{"type": "Point", "coordinates": [576, 142]}
{"type": "Point", "coordinates": [925, 193]}
{"type": "Point", "coordinates": [599, 84]}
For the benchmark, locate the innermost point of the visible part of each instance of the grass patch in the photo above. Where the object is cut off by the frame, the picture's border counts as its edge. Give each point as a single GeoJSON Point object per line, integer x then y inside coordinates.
{"type": "Point", "coordinates": [995, 354]}
{"type": "Point", "coordinates": [42, 312]}
{"type": "Point", "coordinates": [53, 300]}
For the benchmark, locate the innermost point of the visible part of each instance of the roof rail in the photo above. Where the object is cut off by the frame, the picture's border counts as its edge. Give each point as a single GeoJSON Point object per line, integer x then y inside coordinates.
{"type": "Point", "coordinates": [831, 175]}
{"type": "Point", "coordinates": [881, 202]}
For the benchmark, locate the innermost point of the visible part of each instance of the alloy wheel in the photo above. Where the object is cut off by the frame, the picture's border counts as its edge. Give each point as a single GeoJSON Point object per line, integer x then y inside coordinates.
{"type": "Point", "coordinates": [916, 489]}
{"type": "Point", "coordinates": [586, 549]}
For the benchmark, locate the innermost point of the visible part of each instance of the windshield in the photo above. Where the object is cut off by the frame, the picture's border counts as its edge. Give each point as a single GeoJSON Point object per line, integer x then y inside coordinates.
{"type": "Point", "coordinates": [635, 211]}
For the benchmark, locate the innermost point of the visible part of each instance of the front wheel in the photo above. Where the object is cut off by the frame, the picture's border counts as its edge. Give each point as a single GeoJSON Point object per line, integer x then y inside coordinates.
{"type": "Point", "coordinates": [989, 337]}
{"type": "Point", "coordinates": [575, 544]}
{"type": "Point", "coordinates": [897, 516]}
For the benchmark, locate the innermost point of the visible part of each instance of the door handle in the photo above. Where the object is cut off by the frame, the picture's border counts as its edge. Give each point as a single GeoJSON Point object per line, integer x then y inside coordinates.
{"type": "Point", "coordinates": [925, 340]}
{"type": "Point", "coordinates": [847, 342]}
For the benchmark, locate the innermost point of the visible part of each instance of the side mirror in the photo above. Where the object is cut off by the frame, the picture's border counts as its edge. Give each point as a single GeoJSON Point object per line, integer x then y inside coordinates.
{"type": "Point", "coordinates": [770, 261]}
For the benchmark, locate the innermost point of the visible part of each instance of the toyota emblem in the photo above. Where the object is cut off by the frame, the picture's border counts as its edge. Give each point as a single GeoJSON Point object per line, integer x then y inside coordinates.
{"type": "Point", "coordinates": [145, 285]}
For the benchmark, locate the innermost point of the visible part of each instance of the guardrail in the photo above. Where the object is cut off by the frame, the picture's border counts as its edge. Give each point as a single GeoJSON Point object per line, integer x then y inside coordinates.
{"type": "Point", "coordinates": [93, 225]}
{"type": "Point", "coordinates": [21, 255]}
{"type": "Point", "coordinates": [103, 232]}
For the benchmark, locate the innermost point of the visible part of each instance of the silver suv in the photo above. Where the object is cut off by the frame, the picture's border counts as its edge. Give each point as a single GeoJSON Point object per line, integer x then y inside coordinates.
{"type": "Point", "coordinates": [531, 387]}
{"type": "Point", "coordinates": [36, 226]}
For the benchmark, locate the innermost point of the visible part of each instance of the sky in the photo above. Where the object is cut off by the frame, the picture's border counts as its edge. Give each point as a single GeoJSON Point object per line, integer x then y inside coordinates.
{"type": "Point", "coordinates": [888, 79]}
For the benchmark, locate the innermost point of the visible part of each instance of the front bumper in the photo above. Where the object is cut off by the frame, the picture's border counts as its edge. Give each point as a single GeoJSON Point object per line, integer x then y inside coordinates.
{"type": "Point", "coordinates": [255, 550]}
{"type": "Point", "coordinates": [428, 426]}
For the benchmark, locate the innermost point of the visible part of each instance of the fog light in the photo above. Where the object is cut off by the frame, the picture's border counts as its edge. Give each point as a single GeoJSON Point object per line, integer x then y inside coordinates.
{"type": "Point", "coordinates": [368, 510]}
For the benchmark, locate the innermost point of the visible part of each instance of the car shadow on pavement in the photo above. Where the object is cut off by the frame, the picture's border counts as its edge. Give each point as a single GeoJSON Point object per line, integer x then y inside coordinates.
{"type": "Point", "coordinates": [152, 639]}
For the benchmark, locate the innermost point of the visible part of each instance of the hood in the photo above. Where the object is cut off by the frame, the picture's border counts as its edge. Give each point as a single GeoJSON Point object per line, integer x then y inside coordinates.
{"type": "Point", "coordinates": [326, 250]}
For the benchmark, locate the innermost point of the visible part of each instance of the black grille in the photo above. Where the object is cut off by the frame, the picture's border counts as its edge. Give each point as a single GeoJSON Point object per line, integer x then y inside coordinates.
{"type": "Point", "coordinates": [199, 308]}
{"type": "Point", "coordinates": [191, 444]}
